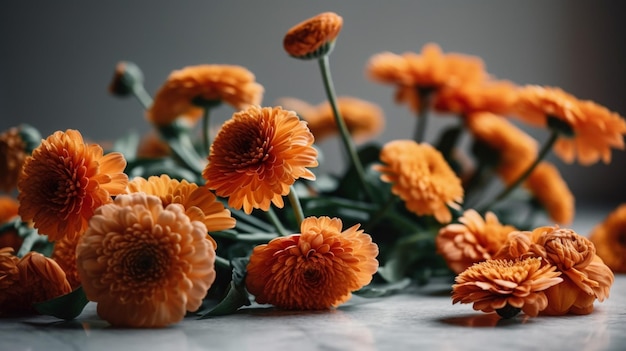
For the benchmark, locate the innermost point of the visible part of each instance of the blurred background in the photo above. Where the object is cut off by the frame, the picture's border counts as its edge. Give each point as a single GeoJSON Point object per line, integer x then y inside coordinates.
{"type": "Point", "coordinates": [57, 59]}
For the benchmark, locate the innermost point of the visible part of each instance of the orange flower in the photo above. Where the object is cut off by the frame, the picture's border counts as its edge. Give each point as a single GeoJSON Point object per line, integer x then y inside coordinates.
{"type": "Point", "coordinates": [472, 240]}
{"type": "Point", "coordinates": [363, 119]}
{"type": "Point", "coordinates": [317, 269]}
{"type": "Point", "coordinates": [200, 204]}
{"type": "Point", "coordinates": [548, 187]}
{"type": "Point", "coordinates": [585, 276]}
{"type": "Point", "coordinates": [64, 254]}
{"type": "Point", "coordinates": [490, 96]}
{"type": "Point", "coordinates": [516, 150]}
{"type": "Point", "coordinates": [145, 265]}
{"type": "Point", "coordinates": [313, 36]}
{"type": "Point", "coordinates": [595, 129]}
{"type": "Point", "coordinates": [609, 238]}
{"type": "Point", "coordinates": [421, 177]}
{"type": "Point", "coordinates": [257, 155]}
{"type": "Point", "coordinates": [502, 285]}
{"type": "Point", "coordinates": [31, 279]}
{"type": "Point", "coordinates": [65, 180]}
{"type": "Point", "coordinates": [232, 84]}
{"type": "Point", "coordinates": [430, 70]}
{"type": "Point", "coordinates": [12, 157]}
{"type": "Point", "coordinates": [8, 210]}
{"type": "Point", "coordinates": [152, 146]}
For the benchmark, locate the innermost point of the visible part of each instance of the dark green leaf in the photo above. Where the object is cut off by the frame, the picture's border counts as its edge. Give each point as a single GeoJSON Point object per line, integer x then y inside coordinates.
{"type": "Point", "coordinates": [68, 306]}
{"type": "Point", "coordinates": [234, 299]}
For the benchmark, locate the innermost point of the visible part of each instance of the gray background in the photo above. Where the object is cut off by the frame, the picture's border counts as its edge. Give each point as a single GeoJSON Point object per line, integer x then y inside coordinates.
{"type": "Point", "coordinates": [57, 58]}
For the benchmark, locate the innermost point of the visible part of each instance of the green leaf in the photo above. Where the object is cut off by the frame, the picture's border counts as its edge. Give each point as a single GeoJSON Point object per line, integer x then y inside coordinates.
{"type": "Point", "coordinates": [127, 146]}
{"type": "Point", "coordinates": [235, 298]}
{"type": "Point", "coordinates": [68, 306]}
{"type": "Point", "coordinates": [384, 289]}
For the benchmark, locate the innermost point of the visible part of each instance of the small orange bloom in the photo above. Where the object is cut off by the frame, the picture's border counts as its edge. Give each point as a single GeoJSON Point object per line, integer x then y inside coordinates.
{"type": "Point", "coordinates": [472, 240]}
{"type": "Point", "coordinates": [495, 285]}
{"type": "Point", "coordinates": [257, 155]}
{"type": "Point", "coordinates": [609, 238]}
{"type": "Point", "coordinates": [152, 146]}
{"type": "Point", "coordinates": [421, 177]}
{"type": "Point", "coordinates": [548, 187]}
{"type": "Point", "coordinates": [12, 157]}
{"type": "Point", "coordinates": [64, 254]}
{"type": "Point", "coordinates": [490, 96]}
{"type": "Point", "coordinates": [314, 270]}
{"type": "Point", "coordinates": [145, 265]}
{"type": "Point", "coordinates": [65, 180]}
{"type": "Point", "coordinates": [313, 36]}
{"type": "Point", "coordinates": [232, 84]}
{"type": "Point", "coordinates": [8, 210]}
{"type": "Point", "coordinates": [516, 150]}
{"type": "Point", "coordinates": [363, 119]}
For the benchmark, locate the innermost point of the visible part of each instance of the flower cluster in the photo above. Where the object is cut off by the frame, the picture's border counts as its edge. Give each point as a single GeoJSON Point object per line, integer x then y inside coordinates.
{"type": "Point", "coordinates": [187, 223]}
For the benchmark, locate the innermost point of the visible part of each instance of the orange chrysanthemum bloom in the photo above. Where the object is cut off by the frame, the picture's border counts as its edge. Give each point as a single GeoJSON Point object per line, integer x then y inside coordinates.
{"type": "Point", "coordinates": [516, 150]}
{"type": "Point", "coordinates": [152, 146]}
{"type": "Point", "coordinates": [317, 269]}
{"type": "Point", "coordinates": [498, 285]}
{"type": "Point", "coordinates": [200, 204]}
{"type": "Point", "coordinates": [431, 70]}
{"type": "Point", "coordinates": [585, 276]}
{"type": "Point", "coordinates": [232, 84]}
{"type": "Point", "coordinates": [595, 129]}
{"type": "Point", "coordinates": [64, 254]}
{"type": "Point", "coordinates": [609, 238]}
{"type": "Point", "coordinates": [490, 96]}
{"type": "Point", "coordinates": [422, 178]}
{"type": "Point", "coordinates": [145, 265]}
{"type": "Point", "coordinates": [65, 180]}
{"type": "Point", "coordinates": [549, 189]}
{"type": "Point", "coordinates": [313, 36]}
{"type": "Point", "coordinates": [31, 279]}
{"type": "Point", "coordinates": [8, 210]}
{"type": "Point", "coordinates": [12, 157]}
{"type": "Point", "coordinates": [472, 240]}
{"type": "Point", "coordinates": [363, 119]}
{"type": "Point", "coordinates": [257, 155]}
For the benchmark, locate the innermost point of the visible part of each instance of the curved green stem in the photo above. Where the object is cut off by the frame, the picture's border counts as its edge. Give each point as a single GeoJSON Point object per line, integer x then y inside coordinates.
{"type": "Point", "coordinates": [343, 129]}
{"type": "Point", "coordinates": [271, 214]}
{"type": "Point", "coordinates": [297, 206]}
{"type": "Point", "coordinates": [542, 154]}
{"type": "Point", "coordinates": [424, 96]}
{"type": "Point", "coordinates": [140, 93]}
{"type": "Point", "coordinates": [206, 135]}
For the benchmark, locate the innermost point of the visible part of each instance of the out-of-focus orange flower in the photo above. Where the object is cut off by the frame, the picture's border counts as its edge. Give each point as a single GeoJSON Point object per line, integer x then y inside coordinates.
{"type": "Point", "coordinates": [316, 269]}
{"type": "Point", "coordinates": [472, 240]}
{"type": "Point", "coordinates": [549, 189]}
{"type": "Point", "coordinates": [232, 84]}
{"type": "Point", "coordinates": [12, 157]}
{"type": "Point", "coordinates": [585, 276]}
{"type": "Point", "coordinates": [199, 202]}
{"type": "Point", "coordinates": [65, 180]}
{"type": "Point", "coordinates": [609, 237]}
{"type": "Point", "coordinates": [496, 285]}
{"type": "Point", "coordinates": [363, 119]}
{"type": "Point", "coordinates": [152, 146]}
{"type": "Point", "coordinates": [431, 70]}
{"type": "Point", "coordinates": [516, 150]}
{"type": "Point", "coordinates": [313, 36]}
{"type": "Point", "coordinates": [421, 177]}
{"type": "Point", "coordinates": [595, 129]}
{"type": "Point", "coordinates": [257, 155]}
{"type": "Point", "coordinates": [31, 279]}
{"type": "Point", "coordinates": [490, 96]}
{"type": "Point", "coordinates": [143, 264]}
{"type": "Point", "coordinates": [8, 210]}
{"type": "Point", "coordinates": [64, 254]}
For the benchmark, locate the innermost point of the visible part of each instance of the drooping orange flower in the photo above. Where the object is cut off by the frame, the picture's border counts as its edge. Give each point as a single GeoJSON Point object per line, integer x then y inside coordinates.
{"type": "Point", "coordinates": [200, 204]}
{"type": "Point", "coordinates": [64, 254]}
{"type": "Point", "coordinates": [472, 240]}
{"type": "Point", "coordinates": [431, 70]}
{"type": "Point", "coordinates": [31, 279]}
{"type": "Point", "coordinates": [548, 187]}
{"type": "Point", "coordinates": [257, 155]}
{"type": "Point", "coordinates": [65, 180]}
{"type": "Point", "coordinates": [594, 129]}
{"type": "Point", "coordinates": [363, 119]}
{"type": "Point", "coordinates": [313, 36]}
{"type": "Point", "coordinates": [421, 178]}
{"type": "Point", "coordinates": [316, 269]}
{"type": "Point", "coordinates": [232, 84]}
{"type": "Point", "coordinates": [12, 157]}
{"type": "Point", "coordinates": [145, 265]}
{"type": "Point", "coordinates": [609, 237]}
{"type": "Point", "coordinates": [585, 276]}
{"type": "Point", "coordinates": [498, 285]}
{"type": "Point", "coordinates": [496, 97]}
{"type": "Point", "coordinates": [516, 150]}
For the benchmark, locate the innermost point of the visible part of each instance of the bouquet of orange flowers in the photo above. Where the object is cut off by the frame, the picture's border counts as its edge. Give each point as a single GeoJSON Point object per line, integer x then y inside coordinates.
{"type": "Point", "coordinates": [180, 223]}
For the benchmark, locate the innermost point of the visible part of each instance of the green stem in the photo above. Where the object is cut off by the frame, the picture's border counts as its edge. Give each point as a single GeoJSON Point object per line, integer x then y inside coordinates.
{"type": "Point", "coordinates": [206, 135]}
{"type": "Point", "coordinates": [297, 206]}
{"type": "Point", "coordinates": [424, 96]}
{"type": "Point", "coordinates": [343, 130]}
{"type": "Point", "coordinates": [271, 214]}
{"type": "Point", "coordinates": [542, 154]}
{"type": "Point", "coordinates": [142, 96]}
{"type": "Point", "coordinates": [222, 262]}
